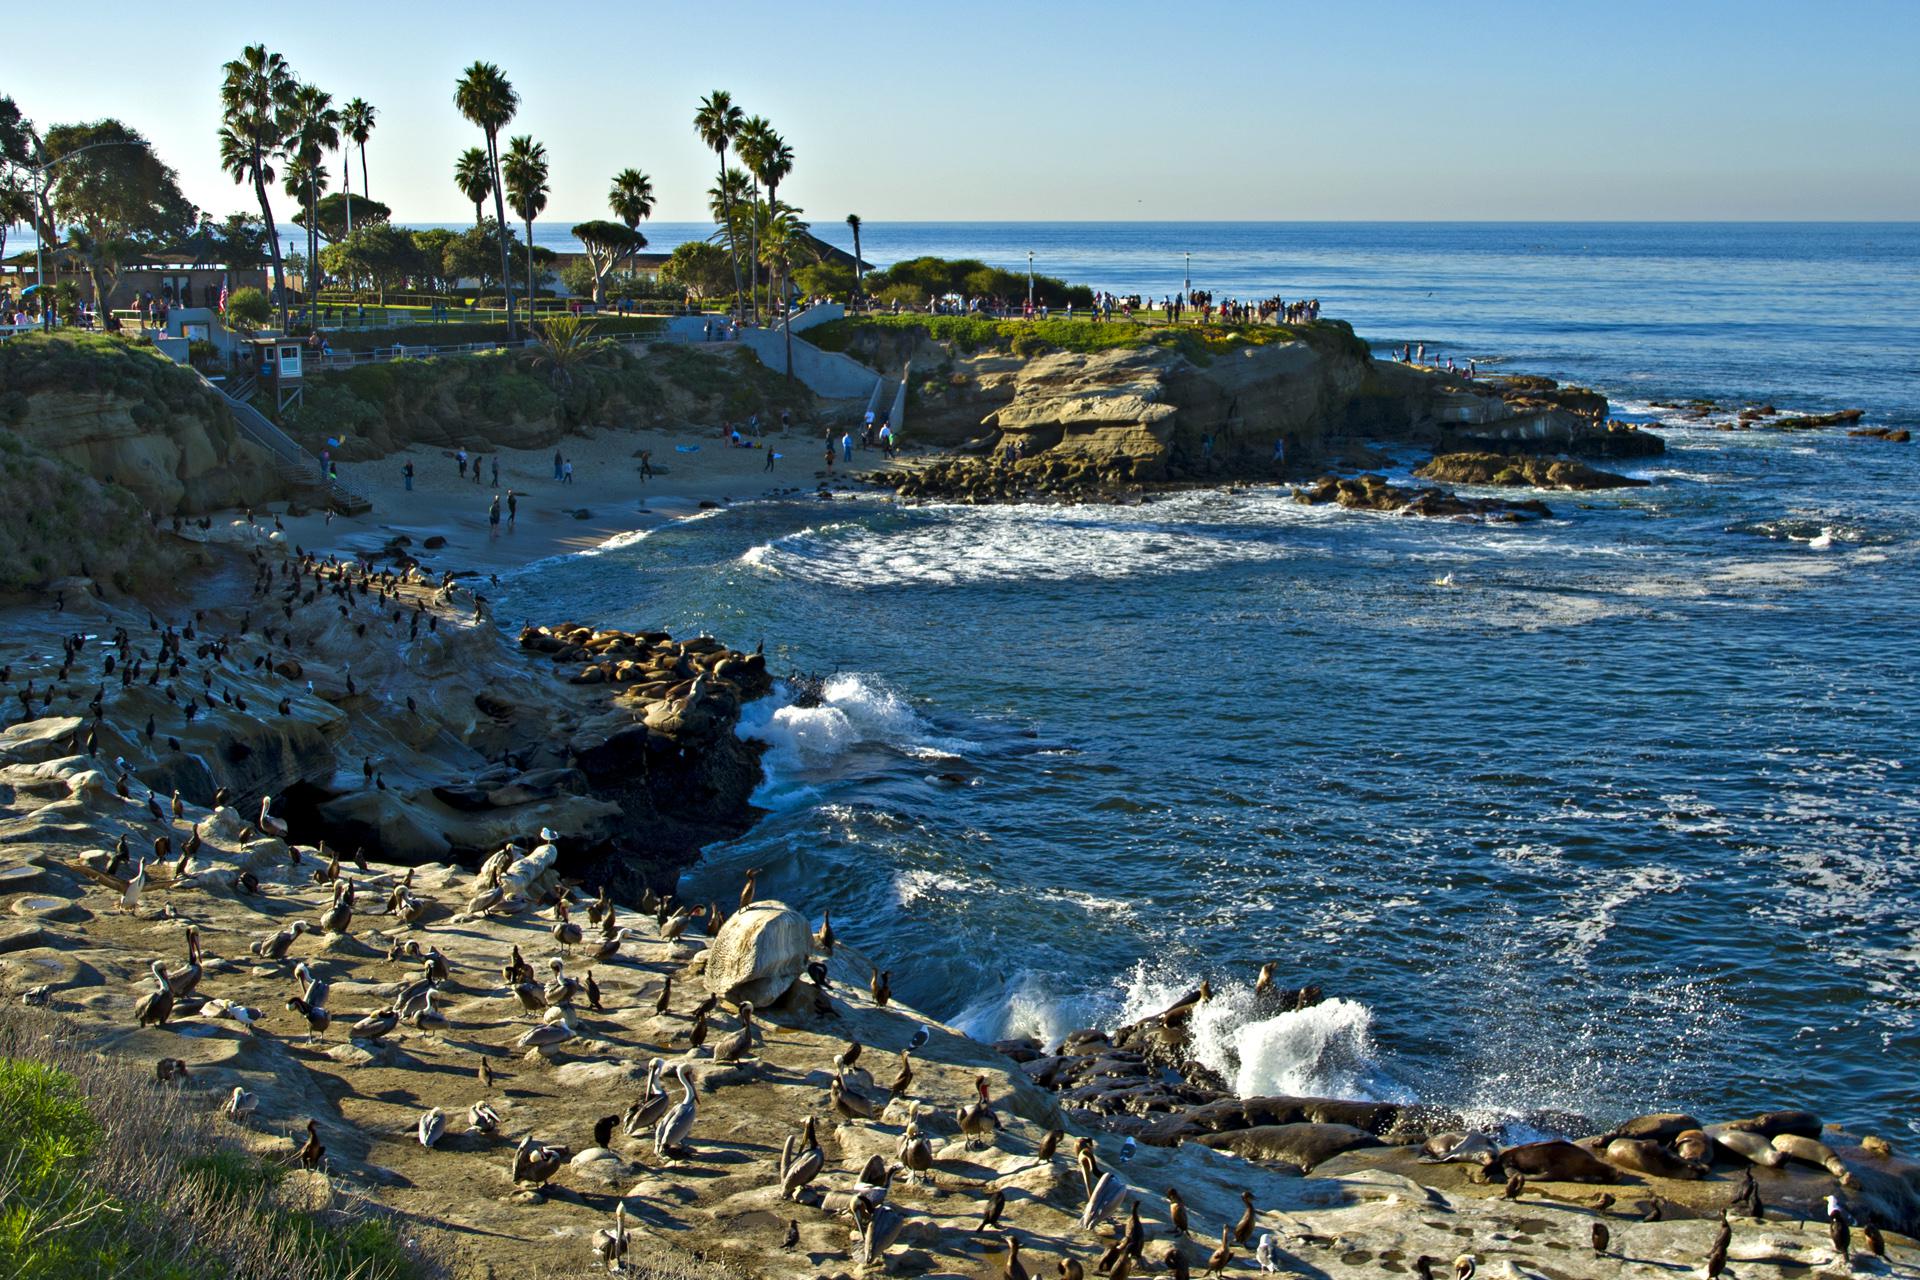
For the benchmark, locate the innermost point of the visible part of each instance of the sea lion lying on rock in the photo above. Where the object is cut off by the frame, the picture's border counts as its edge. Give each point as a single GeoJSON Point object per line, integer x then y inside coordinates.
{"type": "Point", "coordinates": [1555, 1161]}
{"type": "Point", "coordinates": [1302, 1145]}
{"type": "Point", "coordinates": [1663, 1126]}
{"type": "Point", "coordinates": [1748, 1146]}
{"type": "Point", "coordinates": [1644, 1155]}
{"type": "Point", "coordinates": [1458, 1148]}
{"type": "Point", "coordinates": [1771, 1124]}
{"type": "Point", "coordinates": [1812, 1151]}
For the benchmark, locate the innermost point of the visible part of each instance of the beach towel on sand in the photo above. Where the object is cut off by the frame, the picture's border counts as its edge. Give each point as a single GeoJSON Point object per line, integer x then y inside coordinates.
{"type": "Point", "coordinates": [686, 448]}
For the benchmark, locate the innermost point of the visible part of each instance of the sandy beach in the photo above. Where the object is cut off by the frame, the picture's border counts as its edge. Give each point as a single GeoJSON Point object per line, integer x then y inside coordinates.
{"type": "Point", "coordinates": [606, 498]}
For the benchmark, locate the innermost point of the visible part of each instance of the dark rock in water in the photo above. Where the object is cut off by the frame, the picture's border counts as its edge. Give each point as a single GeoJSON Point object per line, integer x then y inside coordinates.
{"type": "Point", "coordinates": [706, 505]}
{"type": "Point", "coordinates": [434, 542]}
{"type": "Point", "coordinates": [1520, 471]}
{"type": "Point", "coordinates": [1893, 435]}
{"type": "Point", "coordinates": [1813, 421]}
{"type": "Point", "coordinates": [1023, 1050]}
{"type": "Point", "coordinates": [466, 797]}
{"type": "Point", "coordinates": [1303, 1145]}
{"type": "Point", "coordinates": [1373, 493]}
{"type": "Point", "coordinates": [583, 513]}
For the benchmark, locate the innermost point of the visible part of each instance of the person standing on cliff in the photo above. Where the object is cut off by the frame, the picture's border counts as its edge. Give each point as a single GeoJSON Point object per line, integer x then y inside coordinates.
{"type": "Point", "coordinates": [406, 473]}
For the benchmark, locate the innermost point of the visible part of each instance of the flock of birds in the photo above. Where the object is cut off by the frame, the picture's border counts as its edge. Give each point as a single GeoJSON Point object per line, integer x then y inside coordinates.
{"type": "Point", "coordinates": [665, 1118]}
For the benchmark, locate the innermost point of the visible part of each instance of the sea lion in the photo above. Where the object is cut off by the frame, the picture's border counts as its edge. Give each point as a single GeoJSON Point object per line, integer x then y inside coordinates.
{"type": "Point", "coordinates": [1749, 1146]}
{"type": "Point", "coordinates": [1458, 1148]}
{"type": "Point", "coordinates": [1796, 1147]}
{"type": "Point", "coordinates": [1555, 1161]}
{"type": "Point", "coordinates": [1771, 1124]}
{"type": "Point", "coordinates": [1643, 1155]}
{"type": "Point", "coordinates": [1694, 1146]}
{"type": "Point", "coordinates": [1662, 1126]}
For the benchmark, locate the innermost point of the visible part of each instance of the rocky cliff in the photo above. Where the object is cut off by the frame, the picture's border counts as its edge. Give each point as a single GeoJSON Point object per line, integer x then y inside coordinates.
{"type": "Point", "coordinates": [1192, 406]}
{"type": "Point", "coordinates": [128, 416]}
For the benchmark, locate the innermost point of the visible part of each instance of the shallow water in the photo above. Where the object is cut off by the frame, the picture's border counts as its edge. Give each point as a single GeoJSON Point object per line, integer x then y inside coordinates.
{"type": "Point", "coordinates": [1605, 814]}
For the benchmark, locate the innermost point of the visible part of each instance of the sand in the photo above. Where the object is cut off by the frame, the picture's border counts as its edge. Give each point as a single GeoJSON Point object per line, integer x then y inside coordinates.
{"type": "Point", "coordinates": [606, 484]}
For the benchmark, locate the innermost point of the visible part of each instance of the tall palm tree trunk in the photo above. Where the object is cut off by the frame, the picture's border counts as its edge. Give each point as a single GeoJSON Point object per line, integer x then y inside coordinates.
{"type": "Point", "coordinates": [531, 295]}
{"type": "Point", "coordinates": [500, 215]}
{"type": "Point", "coordinates": [856, 258]}
{"type": "Point", "coordinates": [753, 250]}
{"type": "Point", "coordinates": [273, 237]}
{"type": "Point", "coordinates": [733, 245]}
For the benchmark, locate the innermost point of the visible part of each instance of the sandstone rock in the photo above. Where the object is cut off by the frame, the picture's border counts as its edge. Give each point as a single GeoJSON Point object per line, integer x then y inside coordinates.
{"type": "Point", "coordinates": [758, 953]}
{"type": "Point", "coordinates": [1520, 471]}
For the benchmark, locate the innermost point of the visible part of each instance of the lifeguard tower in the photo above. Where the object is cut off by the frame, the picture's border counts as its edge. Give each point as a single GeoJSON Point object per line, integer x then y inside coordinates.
{"type": "Point", "coordinates": [276, 362]}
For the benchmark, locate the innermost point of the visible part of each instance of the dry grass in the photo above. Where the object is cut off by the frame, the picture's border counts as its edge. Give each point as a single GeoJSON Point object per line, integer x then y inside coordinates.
{"type": "Point", "coordinates": [104, 1173]}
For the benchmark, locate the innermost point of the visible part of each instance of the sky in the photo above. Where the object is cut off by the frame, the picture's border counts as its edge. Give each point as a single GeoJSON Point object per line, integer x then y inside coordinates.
{"type": "Point", "coordinates": [1119, 110]}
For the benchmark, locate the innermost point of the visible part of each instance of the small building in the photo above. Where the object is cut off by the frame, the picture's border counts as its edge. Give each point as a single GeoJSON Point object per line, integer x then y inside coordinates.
{"type": "Point", "coordinates": [276, 360]}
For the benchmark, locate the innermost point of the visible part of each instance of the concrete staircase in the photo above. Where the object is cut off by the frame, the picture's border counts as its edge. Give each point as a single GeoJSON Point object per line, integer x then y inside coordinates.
{"type": "Point", "coordinates": [300, 469]}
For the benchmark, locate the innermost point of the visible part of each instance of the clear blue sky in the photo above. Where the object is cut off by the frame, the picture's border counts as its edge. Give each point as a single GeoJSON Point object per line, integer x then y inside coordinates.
{"type": "Point", "coordinates": [1482, 109]}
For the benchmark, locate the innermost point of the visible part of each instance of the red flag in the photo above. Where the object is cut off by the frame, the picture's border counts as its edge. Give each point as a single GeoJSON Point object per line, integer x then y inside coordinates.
{"type": "Point", "coordinates": [223, 295]}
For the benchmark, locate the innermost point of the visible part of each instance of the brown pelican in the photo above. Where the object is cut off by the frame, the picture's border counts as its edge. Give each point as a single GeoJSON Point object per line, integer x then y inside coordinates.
{"type": "Point", "coordinates": [610, 1243]}
{"type": "Point", "coordinates": [275, 947]}
{"type": "Point", "coordinates": [483, 1118]}
{"type": "Point", "coordinates": [652, 1104]}
{"type": "Point", "coordinates": [565, 931]}
{"type": "Point", "coordinates": [977, 1119]}
{"type": "Point", "coordinates": [913, 1150]}
{"type": "Point", "coordinates": [609, 946]}
{"type": "Point", "coordinates": [535, 1164]}
{"type": "Point", "coordinates": [183, 980]}
{"type": "Point", "coordinates": [560, 989]}
{"type": "Point", "coordinates": [268, 824]}
{"type": "Point", "coordinates": [879, 1227]}
{"type": "Point", "coordinates": [317, 1017]}
{"type": "Point", "coordinates": [130, 896]}
{"type": "Point", "coordinates": [375, 1025]}
{"type": "Point", "coordinates": [157, 1005]}
{"type": "Point", "coordinates": [431, 1127]}
{"type": "Point", "coordinates": [336, 918]}
{"type": "Point", "coordinates": [545, 1036]}
{"type": "Point", "coordinates": [797, 1167]}
{"type": "Point", "coordinates": [1103, 1192]}
{"type": "Point", "coordinates": [1464, 1266]}
{"type": "Point", "coordinates": [424, 1014]}
{"type": "Point", "coordinates": [670, 1134]}
{"type": "Point", "coordinates": [532, 998]}
{"type": "Point", "coordinates": [731, 1048]}
{"type": "Point", "coordinates": [239, 1103]}
{"type": "Point", "coordinates": [851, 1106]}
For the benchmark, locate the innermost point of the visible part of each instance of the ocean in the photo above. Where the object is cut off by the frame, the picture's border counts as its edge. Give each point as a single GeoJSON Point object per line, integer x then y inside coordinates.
{"type": "Point", "coordinates": [1606, 814]}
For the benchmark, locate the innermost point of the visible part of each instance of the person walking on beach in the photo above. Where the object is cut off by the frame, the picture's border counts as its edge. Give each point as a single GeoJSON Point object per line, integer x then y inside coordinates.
{"type": "Point", "coordinates": [846, 444]}
{"type": "Point", "coordinates": [513, 508]}
{"type": "Point", "coordinates": [496, 471]}
{"type": "Point", "coordinates": [646, 464]}
{"type": "Point", "coordinates": [493, 519]}
{"type": "Point", "coordinates": [566, 472]}
{"type": "Point", "coordinates": [771, 455]}
{"type": "Point", "coordinates": [557, 462]}
{"type": "Point", "coordinates": [406, 474]}
{"type": "Point", "coordinates": [461, 458]}
{"type": "Point", "coordinates": [476, 472]}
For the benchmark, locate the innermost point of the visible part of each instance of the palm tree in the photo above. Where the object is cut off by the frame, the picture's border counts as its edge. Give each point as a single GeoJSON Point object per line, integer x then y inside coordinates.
{"type": "Point", "coordinates": [785, 241]}
{"type": "Point", "coordinates": [525, 171]}
{"type": "Point", "coordinates": [718, 123]}
{"type": "Point", "coordinates": [305, 181]}
{"type": "Point", "coordinates": [753, 143]}
{"type": "Point", "coordinates": [776, 162]}
{"type": "Point", "coordinates": [473, 174]}
{"type": "Point", "coordinates": [256, 95]}
{"type": "Point", "coordinates": [853, 220]}
{"type": "Point", "coordinates": [316, 131]}
{"type": "Point", "coordinates": [631, 197]}
{"type": "Point", "coordinates": [725, 200]}
{"type": "Point", "coordinates": [485, 97]}
{"type": "Point", "coordinates": [356, 121]}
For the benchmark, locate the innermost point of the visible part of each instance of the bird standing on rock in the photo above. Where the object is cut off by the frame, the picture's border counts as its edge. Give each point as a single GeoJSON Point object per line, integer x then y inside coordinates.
{"type": "Point", "coordinates": [1217, 1260]}
{"type": "Point", "coordinates": [1838, 1229]}
{"type": "Point", "coordinates": [157, 1005]}
{"type": "Point", "coordinates": [1243, 1229]}
{"type": "Point", "coordinates": [881, 987]}
{"type": "Point", "coordinates": [1601, 1236]}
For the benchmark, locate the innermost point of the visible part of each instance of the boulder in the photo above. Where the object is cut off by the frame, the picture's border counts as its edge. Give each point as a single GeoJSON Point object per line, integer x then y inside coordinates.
{"type": "Point", "coordinates": [758, 953]}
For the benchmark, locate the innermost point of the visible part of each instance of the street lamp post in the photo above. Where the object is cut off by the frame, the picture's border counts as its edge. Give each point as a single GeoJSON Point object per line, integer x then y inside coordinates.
{"type": "Point", "coordinates": [43, 187]}
{"type": "Point", "coordinates": [1029, 282]}
{"type": "Point", "coordinates": [1187, 283]}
